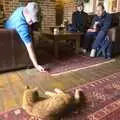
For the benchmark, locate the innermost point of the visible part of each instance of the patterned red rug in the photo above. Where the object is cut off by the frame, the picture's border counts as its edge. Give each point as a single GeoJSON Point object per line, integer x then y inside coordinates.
{"type": "Point", "coordinates": [101, 101]}
{"type": "Point", "coordinates": [14, 114]}
{"type": "Point", "coordinates": [75, 63]}
{"type": "Point", "coordinates": [68, 61]}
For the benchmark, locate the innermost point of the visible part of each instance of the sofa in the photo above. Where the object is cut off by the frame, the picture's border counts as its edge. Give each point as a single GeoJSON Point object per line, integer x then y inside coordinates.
{"type": "Point", "coordinates": [114, 33]}
{"type": "Point", "coordinates": [13, 53]}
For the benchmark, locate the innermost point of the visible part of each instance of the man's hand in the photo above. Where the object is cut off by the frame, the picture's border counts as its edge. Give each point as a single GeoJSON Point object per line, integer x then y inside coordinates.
{"type": "Point", "coordinates": [40, 68]}
{"type": "Point", "coordinates": [91, 30]}
{"type": "Point", "coordinates": [33, 57]}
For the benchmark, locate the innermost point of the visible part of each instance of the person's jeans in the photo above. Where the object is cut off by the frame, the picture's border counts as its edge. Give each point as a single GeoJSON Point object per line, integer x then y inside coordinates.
{"type": "Point", "coordinates": [105, 48]}
{"type": "Point", "coordinates": [99, 39]}
{"type": "Point", "coordinates": [89, 38]}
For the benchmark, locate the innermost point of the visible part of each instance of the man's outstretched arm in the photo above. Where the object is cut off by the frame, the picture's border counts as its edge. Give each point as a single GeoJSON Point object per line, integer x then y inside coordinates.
{"type": "Point", "coordinates": [25, 36]}
{"type": "Point", "coordinates": [32, 56]}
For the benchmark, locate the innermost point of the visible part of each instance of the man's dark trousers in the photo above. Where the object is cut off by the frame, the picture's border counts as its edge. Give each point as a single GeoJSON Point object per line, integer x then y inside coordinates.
{"type": "Point", "coordinates": [89, 38]}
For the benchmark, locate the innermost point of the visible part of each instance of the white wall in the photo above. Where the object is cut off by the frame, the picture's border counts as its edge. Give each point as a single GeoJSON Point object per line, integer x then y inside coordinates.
{"type": "Point", "coordinates": [89, 7]}
{"type": "Point", "coordinates": [106, 4]}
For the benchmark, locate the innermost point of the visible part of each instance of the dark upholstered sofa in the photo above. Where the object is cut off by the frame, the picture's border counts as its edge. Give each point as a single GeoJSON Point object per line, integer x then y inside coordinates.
{"type": "Point", "coordinates": [114, 33]}
{"type": "Point", "coordinates": [13, 53]}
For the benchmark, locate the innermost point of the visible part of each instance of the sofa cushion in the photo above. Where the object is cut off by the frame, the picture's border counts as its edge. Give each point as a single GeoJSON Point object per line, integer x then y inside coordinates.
{"type": "Point", "coordinates": [112, 33]}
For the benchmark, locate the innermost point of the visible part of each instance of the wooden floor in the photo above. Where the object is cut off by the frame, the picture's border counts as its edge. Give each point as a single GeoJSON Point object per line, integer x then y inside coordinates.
{"type": "Point", "coordinates": [12, 84]}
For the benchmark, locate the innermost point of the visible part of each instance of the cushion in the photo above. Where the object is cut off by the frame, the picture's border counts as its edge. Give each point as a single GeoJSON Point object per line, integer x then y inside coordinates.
{"type": "Point", "coordinates": [112, 33]}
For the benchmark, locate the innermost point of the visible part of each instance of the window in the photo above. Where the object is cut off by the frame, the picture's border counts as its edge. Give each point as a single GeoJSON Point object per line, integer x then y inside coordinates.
{"type": "Point", "coordinates": [112, 5]}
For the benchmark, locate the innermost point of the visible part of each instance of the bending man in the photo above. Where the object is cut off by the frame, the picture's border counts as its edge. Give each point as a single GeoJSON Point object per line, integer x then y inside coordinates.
{"type": "Point", "coordinates": [20, 20]}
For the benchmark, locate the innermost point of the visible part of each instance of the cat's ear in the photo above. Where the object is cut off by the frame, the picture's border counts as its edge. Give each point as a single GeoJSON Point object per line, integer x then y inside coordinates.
{"type": "Point", "coordinates": [27, 87]}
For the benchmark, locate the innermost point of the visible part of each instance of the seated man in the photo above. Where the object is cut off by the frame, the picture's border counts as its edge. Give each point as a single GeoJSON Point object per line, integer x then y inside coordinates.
{"type": "Point", "coordinates": [20, 20]}
{"type": "Point", "coordinates": [79, 21]}
{"type": "Point", "coordinates": [80, 18]}
{"type": "Point", "coordinates": [97, 33]}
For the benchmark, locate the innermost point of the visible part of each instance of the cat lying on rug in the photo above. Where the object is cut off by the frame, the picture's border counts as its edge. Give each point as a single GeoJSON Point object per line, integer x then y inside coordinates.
{"type": "Point", "coordinates": [56, 103]}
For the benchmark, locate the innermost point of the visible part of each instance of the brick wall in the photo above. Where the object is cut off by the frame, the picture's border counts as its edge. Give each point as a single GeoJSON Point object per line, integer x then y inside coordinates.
{"type": "Point", "coordinates": [69, 8]}
{"type": "Point", "coordinates": [48, 14]}
{"type": "Point", "coordinates": [10, 6]}
{"type": "Point", "coordinates": [1, 2]}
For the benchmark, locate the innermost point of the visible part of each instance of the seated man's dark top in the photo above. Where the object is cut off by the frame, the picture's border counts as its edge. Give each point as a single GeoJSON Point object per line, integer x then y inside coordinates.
{"type": "Point", "coordinates": [104, 21]}
{"type": "Point", "coordinates": [79, 20]}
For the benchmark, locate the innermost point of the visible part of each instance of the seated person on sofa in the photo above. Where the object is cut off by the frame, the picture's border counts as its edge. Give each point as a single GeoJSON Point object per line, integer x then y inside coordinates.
{"type": "Point", "coordinates": [94, 37]}
{"type": "Point", "coordinates": [20, 20]}
{"type": "Point", "coordinates": [79, 21]}
{"type": "Point", "coordinates": [80, 18]}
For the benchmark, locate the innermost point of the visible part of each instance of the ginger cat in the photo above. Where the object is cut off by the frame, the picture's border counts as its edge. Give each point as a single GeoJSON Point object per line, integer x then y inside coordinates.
{"type": "Point", "coordinates": [56, 103]}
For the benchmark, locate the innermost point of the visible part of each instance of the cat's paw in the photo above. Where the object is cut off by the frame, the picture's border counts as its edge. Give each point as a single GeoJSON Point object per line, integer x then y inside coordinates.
{"type": "Point", "coordinates": [35, 118]}
{"type": "Point", "coordinates": [50, 94]}
{"type": "Point", "coordinates": [58, 90]}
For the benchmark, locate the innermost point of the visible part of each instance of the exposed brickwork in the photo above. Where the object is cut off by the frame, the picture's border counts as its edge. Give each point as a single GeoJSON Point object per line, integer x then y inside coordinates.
{"type": "Point", "coordinates": [1, 2]}
{"type": "Point", "coordinates": [48, 14]}
{"type": "Point", "coordinates": [1, 14]}
{"type": "Point", "coordinates": [10, 6]}
{"type": "Point", "coordinates": [69, 8]}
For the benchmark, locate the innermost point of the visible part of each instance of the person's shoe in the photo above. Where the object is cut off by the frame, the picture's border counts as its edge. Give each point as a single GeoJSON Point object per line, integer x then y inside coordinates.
{"type": "Point", "coordinates": [108, 58]}
{"type": "Point", "coordinates": [92, 53]}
